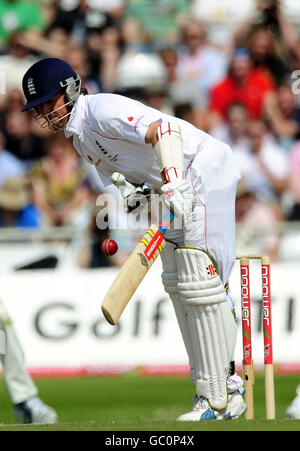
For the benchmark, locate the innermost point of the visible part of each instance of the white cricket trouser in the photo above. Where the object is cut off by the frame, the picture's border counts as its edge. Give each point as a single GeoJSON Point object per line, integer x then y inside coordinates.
{"type": "Point", "coordinates": [18, 383]}
{"type": "Point", "coordinates": [213, 176]}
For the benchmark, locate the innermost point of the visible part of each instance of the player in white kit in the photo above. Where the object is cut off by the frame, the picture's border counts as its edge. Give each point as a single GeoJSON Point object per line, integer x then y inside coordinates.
{"type": "Point", "coordinates": [197, 176]}
{"type": "Point", "coordinates": [27, 406]}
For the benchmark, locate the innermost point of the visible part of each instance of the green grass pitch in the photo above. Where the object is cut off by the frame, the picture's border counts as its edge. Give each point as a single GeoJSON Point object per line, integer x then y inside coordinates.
{"type": "Point", "coordinates": [134, 403]}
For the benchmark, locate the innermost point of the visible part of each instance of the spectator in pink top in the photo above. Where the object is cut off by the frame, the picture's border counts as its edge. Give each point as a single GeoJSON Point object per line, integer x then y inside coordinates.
{"type": "Point", "coordinates": [199, 63]}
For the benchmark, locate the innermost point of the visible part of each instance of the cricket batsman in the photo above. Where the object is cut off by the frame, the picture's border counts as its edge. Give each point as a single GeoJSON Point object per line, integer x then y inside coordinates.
{"type": "Point", "coordinates": [197, 176]}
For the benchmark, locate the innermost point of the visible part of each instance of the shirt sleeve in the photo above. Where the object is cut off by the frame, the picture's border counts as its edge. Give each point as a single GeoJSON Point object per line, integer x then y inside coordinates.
{"type": "Point", "coordinates": [126, 119]}
{"type": "Point", "coordinates": [103, 179]}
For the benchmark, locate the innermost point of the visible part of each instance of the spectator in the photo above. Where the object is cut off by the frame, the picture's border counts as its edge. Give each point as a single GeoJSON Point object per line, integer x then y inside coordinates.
{"type": "Point", "coordinates": [234, 131]}
{"type": "Point", "coordinates": [269, 16]}
{"type": "Point", "coordinates": [177, 91]}
{"type": "Point", "coordinates": [10, 166]}
{"type": "Point", "coordinates": [80, 18]}
{"type": "Point", "coordinates": [263, 164]}
{"type": "Point", "coordinates": [110, 52]}
{"type": "Point", "coordinates": [114, 7]}
{"type": "Point", "coordinates": [158, 22]}
{"type": "Point", "coordinates": [16, 208]}
{"type": "Point", "coordinates": [131, 36]}
{"type": "Point", "coordinates": [283, 114]}
{"type": "Point", "coordinates": [59, 189]}
{"type": "Point", "coordinates": [265, 55]}
{"type": "Point", "coordinates": [53, 44]}
{"type": "Point", "coordinates": [98, 12]}
{"type": "Point", "coordinates": [294, 182]}
{"type": "Point", "coordinates": [222, 19]}
{"type": "Point", "coordinates": [13, 64]}
{"type": "Point", "coordinates": [21, 140]}
{"type": "Point", "coordinates": [186, 112]}
{"type": "Point", "coordinates": [77, 57]}
{"type": "Point", "coordinates": [199, 64]}
{"type": "Point", "coordinates": [66, 15]}
{"type": "Point", "coordinates": [14, 101]}
{"type": "Point", "coordinates": [169, 56]}
{"type": "Point", "coordinates": [243, 84]}
{"type": "Point", "coordinates": [19, 15]}
{"type": "Point", "coordinates": [182, 96]}
{"type": "Point", "coordinates": [142, 76]}
{"type": "Point", "coordinates": [253, 213]}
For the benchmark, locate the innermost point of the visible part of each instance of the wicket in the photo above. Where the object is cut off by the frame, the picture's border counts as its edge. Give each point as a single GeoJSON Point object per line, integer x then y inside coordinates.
{"type": "Point", "coordinates": [248, 368]}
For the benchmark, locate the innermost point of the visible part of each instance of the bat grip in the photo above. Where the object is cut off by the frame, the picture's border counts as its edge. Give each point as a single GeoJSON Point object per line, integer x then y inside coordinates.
{"type": "Point", "coordinates": [166, 221]}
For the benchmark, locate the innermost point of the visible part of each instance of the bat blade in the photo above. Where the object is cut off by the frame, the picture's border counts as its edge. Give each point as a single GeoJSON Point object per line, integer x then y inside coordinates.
{"type": "Point", "coordinates": [132, 273]}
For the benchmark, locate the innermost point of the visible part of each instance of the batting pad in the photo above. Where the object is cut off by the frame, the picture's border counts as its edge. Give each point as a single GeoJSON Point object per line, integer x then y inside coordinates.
{"type": "Point", "coordinates": [170, 281]}
{"type": "Point", "coordinates": [210, 322]}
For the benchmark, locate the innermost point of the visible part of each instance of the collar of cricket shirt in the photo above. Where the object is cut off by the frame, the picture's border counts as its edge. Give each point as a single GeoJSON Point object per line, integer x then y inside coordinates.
{"type": "Point", "coordinates": [74, 125]}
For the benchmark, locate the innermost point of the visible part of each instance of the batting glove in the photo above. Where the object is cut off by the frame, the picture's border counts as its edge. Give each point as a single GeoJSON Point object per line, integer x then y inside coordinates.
{"type": "Point", "coordinates": [178, 196]}
{"type": "Point", "coordinates": [133, 196]}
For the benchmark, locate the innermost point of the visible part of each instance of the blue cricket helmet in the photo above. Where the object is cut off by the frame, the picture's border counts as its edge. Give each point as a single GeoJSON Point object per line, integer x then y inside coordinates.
{"type": "Point", "coordinates": [48, 77]}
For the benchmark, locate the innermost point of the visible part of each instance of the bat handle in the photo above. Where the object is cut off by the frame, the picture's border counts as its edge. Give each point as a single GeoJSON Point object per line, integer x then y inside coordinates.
{"type": "Point", "coordinates": [166, 221]}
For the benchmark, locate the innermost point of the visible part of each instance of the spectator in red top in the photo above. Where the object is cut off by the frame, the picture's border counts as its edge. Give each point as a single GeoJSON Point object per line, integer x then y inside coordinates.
{"type": "Point", "coordinates": [243, 84]}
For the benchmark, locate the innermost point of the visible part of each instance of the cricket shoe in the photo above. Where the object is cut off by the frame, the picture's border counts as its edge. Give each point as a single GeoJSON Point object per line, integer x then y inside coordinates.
{"type": "Point", "coordinates": [202, 411]}
{"type": "Point", "coordinates": [236, 406]}
{"type": "Point", "coordinates": [293, 411]}
{"type": "Point", "coordinates": [34, 411]}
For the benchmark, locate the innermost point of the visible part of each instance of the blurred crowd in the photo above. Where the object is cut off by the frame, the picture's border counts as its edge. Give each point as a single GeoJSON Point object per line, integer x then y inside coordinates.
{"type": "Point", "coordinates": [231, 72]}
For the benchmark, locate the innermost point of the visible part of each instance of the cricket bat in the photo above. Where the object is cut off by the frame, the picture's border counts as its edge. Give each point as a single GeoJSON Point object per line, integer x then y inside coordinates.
{"type": "Point", "coordinates": [134, 270]}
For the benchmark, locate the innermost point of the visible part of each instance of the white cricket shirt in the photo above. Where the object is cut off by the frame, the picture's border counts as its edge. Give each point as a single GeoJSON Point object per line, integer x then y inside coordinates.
{"type": "Point", "coordinates": [109, 132]}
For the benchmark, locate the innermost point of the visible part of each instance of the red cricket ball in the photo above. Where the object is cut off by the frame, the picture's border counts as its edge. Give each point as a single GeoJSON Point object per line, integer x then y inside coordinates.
{"type": "Point", "coordinates": [109, 247]}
